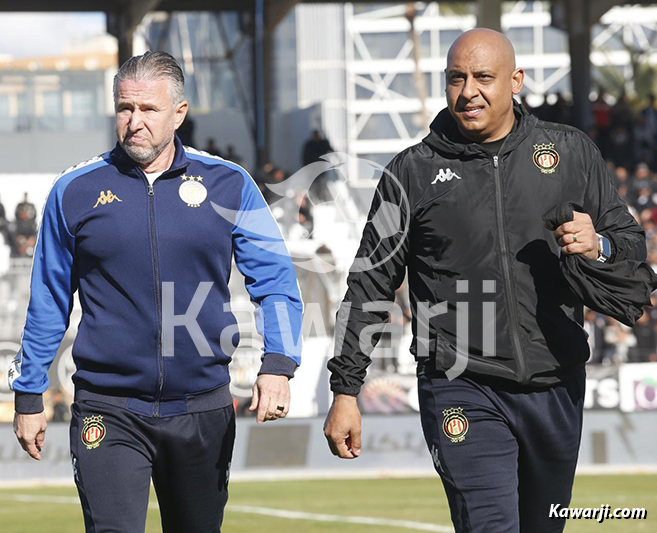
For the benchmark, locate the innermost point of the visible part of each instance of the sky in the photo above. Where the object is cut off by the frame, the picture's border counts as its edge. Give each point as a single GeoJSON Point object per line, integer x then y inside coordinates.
{"type": "Point", "coordinates": [37, 34]}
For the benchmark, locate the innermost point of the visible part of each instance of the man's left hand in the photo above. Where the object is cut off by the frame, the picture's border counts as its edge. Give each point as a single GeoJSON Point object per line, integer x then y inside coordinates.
{"type": "Point", "coordinates": [578, 236]}
{"type": "Point", "coordinates": [271, 397]}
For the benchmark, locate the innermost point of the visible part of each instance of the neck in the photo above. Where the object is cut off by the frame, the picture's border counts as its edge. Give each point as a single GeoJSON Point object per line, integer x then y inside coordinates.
{"type": "Point", "coordinates": [163, 161]}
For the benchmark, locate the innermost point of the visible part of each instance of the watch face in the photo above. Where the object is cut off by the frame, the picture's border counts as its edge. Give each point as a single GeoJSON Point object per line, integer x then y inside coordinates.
{"type": "Point", "coordinates": [604, 247]}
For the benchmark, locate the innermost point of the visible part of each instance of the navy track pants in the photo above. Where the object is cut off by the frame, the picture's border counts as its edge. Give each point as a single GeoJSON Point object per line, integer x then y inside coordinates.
{"type": "Point", "coordinates": [504, 457]}
{"type": "Point", "coordinates": [116, 452]}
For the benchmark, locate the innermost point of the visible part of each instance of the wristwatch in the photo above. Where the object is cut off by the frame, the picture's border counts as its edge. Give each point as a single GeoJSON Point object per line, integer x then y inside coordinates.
{"type": "Point", "coordinates": [604, 248]}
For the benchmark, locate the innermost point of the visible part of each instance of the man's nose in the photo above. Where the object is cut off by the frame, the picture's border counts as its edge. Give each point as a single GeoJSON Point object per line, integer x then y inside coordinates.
{"type": "Point", "coordinates": [470, 88]}
{"type": "Point", "coordinates": [136, 120]}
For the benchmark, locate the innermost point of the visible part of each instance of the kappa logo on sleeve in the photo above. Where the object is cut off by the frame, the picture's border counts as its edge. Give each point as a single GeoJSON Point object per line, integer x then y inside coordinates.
{"type": "Point", "coordinates": [107, 198]}
{"type": "Point", "coordinates": [93, 431]}
{"type": "Point", "coordinates": [455, 424]}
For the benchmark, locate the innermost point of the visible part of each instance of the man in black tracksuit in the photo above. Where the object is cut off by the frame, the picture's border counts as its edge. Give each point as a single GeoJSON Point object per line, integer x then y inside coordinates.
{"type": "Point", "coordinates": [497, 332]}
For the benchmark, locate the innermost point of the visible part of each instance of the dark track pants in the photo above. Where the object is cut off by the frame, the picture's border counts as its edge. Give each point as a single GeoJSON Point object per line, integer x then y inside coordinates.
{"type": "Point", "coordinates": [507, 456]}
{"type": "Point", "coordinates": [187, 456]}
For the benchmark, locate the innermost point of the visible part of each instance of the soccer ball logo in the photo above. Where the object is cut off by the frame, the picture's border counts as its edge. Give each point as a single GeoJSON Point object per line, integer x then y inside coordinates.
{"type": "Point", "coordinates": [385, 218]}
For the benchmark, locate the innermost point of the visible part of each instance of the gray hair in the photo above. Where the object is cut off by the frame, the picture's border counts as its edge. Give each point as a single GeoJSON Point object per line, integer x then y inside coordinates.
{"type": "Point", "coordinates": [153, 66]}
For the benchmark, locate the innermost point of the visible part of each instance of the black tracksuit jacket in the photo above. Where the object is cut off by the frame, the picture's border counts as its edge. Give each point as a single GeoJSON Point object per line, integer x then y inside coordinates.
{"type": "Point", "coordinates": [476, 217]}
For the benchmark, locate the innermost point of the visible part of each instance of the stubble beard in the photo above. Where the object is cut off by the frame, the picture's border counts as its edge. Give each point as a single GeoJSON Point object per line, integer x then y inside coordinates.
{"type": "Point", "coordinates": [144, 155]}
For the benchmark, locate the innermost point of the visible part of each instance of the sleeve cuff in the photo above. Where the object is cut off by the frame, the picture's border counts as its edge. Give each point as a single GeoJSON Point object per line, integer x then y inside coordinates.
{"type": "Point", "coordinates": [27, 403]}
{"type": "Point", "coordinates": [347, 391]}
{"type": "Point", "coordinates": [278, 365]}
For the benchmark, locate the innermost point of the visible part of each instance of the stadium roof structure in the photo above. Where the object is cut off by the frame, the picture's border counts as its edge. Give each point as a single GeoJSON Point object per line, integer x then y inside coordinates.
{"type": "Point", "coordinates": [576, 17]}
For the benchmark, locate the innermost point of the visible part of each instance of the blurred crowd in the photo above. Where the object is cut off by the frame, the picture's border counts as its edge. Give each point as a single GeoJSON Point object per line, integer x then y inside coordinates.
{"type": "Point", "coordinates": [294, 208]}
{"type": "Point", "coordinates": [19, 234]}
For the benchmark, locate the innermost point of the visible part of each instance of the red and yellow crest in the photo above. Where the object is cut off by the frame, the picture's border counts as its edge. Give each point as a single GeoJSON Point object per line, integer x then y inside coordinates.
{"type": "Point", "coordinates": [455, 424]}
{"type": "Point", "coordinates": [545, 157]}
{"type": "Point", "coordinates": [93, 431]}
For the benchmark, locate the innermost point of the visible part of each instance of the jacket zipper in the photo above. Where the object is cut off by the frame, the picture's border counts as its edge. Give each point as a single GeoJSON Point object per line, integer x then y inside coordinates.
{"type": "Point", "coordinates": [158, 300]}
{"type": "Point", "coordinates": [508, 285]}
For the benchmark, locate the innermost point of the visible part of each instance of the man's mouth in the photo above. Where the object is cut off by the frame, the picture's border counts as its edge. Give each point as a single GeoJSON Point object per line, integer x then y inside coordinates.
{"type": "Point", "coordinates": [472, 111]}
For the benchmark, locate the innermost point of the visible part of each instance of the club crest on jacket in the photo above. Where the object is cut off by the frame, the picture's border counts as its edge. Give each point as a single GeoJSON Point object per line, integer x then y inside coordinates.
{"type": "Point", "coordinates": [192, 191]}
{"type": "Point", "coordinates": [545, 157]}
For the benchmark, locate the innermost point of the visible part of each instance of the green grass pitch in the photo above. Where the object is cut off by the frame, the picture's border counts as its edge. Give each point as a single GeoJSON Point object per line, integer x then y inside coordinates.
{"type": "Point", "coordinates": [419, 501]}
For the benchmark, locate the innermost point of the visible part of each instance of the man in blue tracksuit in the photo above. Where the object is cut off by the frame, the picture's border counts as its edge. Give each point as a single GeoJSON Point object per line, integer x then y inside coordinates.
{"type": "Point", "coordinates": [146, 234]}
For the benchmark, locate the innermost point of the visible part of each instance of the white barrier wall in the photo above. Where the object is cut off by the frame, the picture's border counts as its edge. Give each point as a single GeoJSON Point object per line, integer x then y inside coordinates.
{"type": "Point", "coordinates": [392, 445]}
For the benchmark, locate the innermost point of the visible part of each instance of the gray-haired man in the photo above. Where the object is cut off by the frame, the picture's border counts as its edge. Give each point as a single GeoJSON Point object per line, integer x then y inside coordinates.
{"type": "Point", "coordinates": [136, 233]}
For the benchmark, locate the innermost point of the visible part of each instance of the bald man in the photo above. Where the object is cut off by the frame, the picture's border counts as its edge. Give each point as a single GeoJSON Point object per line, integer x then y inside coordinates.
{"type": "Point", "coordinates": [496, 331]}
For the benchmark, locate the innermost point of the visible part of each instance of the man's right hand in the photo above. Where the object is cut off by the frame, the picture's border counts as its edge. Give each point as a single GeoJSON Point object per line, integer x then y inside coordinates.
{"type": "Point", "coordinates": [30, 431]}
{"type": "Point", "coordinates": [342, 427]}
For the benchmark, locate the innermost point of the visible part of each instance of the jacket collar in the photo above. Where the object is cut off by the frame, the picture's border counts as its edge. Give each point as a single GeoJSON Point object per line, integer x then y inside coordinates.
{"type": "Point", "coordinates": [128, 166]}
{"type": "Point", "coordinates": [443, 129]}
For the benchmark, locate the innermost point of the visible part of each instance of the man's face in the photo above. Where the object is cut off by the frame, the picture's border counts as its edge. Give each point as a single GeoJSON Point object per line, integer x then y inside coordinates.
{"type": "Point", "coordinates": [146, 118]}
{"type": "Point", "coordinates": [480, 85]}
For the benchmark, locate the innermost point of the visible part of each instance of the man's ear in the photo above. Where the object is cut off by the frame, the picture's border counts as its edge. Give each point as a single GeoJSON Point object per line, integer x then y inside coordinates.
{"type": "Point", "coordinates": [180, 113]}
{"type": "Point", "coordinates": [517, 80]}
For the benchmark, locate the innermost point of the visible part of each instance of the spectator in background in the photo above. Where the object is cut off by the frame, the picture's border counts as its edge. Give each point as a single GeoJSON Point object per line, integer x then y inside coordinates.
{"type": "Point", "coordinates": [594, 325]}
{"type": "Point", "coordinates": [313, 150]}
{"type": "Point", "coordinates": [277, 176]}
{"type": "Point", "coordinates": [644, 141]}
{"type": "Point", "coordinates": [211, 148]}
{"type": "Point", "coordinates": [301, 226]}
{"type": "Point", "coordinates": [644, 199]}
{"type": "Point", "coordinates": [619, 146]}
{"type": "Point", "coordinates": [621, 338]}
{"type": "Point", "coordinates": [5, 255]}
{"type": "Point", "coordinates": [640, 181]}
{"type": "Point", "coordinates": [3, 223]}
{"type": "Point", "coordinates": [620, 177]}
{"type": "Point", "coordinates": [24, 229]}
{"type": "Point", "coordinates": [231, 155]}
{"type": "Point", "coordinates": [305, 212]}
{"type": "Point", "coordinates": [263, 176]}
{"type": "Point", "coordinates": [646, 340]}
{"type": "Point", "coordinates": [601, 112]}
{"type": "Point", "coordinates": [3, 213]}
{"type": "Point", "coordinates": [26, 210]}
{"type": "Point", "coordinates": [649, 113]}
{"type": "Point", "coordinates": [622, 192]}
{"type": "Point", "coordinates": [621, 113]}
{"type": "Point", "coordinates": [646, 218]}
{"type": "Point", "coordinates": [60, 407]}
{"type": "Point", "coordinates": [562, 111]}
{"type": "Point", "coordinates": [601, 120]}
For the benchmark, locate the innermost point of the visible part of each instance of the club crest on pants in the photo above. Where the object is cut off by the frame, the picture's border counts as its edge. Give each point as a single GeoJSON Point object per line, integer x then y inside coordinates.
{"type": "Point", "coordinates": [455, 424]}
{"type": "Point", "coordinates": [93, 431]}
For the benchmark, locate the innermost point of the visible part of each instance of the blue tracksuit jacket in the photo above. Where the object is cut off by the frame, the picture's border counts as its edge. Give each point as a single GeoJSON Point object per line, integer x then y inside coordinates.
{"type": "Point", "coordinates": [151, 264]}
